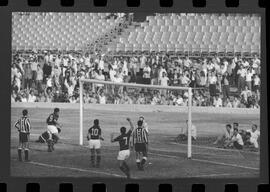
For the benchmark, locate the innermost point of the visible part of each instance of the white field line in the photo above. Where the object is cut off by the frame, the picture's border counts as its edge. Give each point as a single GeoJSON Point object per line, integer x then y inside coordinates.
{"type": "Point", "coordinates": [217, 149]}
{"type": "Point", "coordinates": [74, 169]}
{"type": "Point", "coordinates": [225, 164]}
{"type": "Point", "coordinates": [205, 161]}
{"type": "Point", "coordinates": [222, 174]}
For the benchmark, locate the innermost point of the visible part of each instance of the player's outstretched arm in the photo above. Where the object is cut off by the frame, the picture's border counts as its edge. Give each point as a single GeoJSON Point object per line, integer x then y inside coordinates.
{"type": "Point", "coordinates": [130, 123]}
{"type": "Point", "coordinates": [112, 140]}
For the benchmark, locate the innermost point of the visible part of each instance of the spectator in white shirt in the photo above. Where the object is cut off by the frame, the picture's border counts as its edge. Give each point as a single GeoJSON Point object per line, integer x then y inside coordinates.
{"type": "Point", "coordinates": [241, 79]}
{"type": "Point", "coordinates": [249, 75]}
{"type": "Point", "coordinates": [212, 84]}
{"type": "Point", "coordinates": [246, 93]}
{"type": "Point", "coordinates": [102, 98]}
{"type": "Point", "coordinates": [32, 97]}
{"type": "Point", "coordinates": [164, 80]}
{"type": "Point", "coordinates": [225, 137]}
{"type": "Point", "coordinates": [256, 83]}
{"type": "Point", "coordinates": [236, 141]}
{"type": "Point", "coordinates": [254, 135]}
{"type": "Point", "coordinates": [217, 101]}
{"type": "Point", "coordinates": [99, 76]}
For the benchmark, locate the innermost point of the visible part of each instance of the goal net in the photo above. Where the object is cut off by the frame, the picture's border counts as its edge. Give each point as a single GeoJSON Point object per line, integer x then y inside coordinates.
{"type": "Point", "coordinates": [120, 100]}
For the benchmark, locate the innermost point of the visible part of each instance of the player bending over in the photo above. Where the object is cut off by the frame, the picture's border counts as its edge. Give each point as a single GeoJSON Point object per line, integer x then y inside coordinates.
{"type": "Point", "coordinates": [124, 152]}
{"type": "Point", "coordinates": [53, 128]}
{"type": "Point", "coordinates": [94, 137]}
{"type": "Point", "coordinates": [140, 141]}
{"type": "Point", "coordinates": [23, 126]}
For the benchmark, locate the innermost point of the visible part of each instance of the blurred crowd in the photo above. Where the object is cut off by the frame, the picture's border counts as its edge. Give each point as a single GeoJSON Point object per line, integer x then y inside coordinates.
{"type": "Point", "coordinates": [53, 76]}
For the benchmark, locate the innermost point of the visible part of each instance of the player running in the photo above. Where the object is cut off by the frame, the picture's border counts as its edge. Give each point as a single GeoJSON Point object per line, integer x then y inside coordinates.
{"type": "Point", "coordinates": [140, 141]}
{"type": "Point", "coordinates": [23, 126]}
{"type": "Point", "coordinates": [124, 152]}
{"type": "Point", "coordinates": [53, 128]}
{"type": "Point", "coordinates": [94, 137]}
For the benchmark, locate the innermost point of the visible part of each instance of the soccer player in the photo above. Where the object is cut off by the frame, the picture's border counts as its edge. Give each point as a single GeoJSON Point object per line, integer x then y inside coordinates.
{"type": "Point", "coordinates": [140, 141]}
{"type": "Point", "coordinates": [53, 128]}
{"type": "Point", "coordinates": [145, 125]}
{"type": "Point", "coordinates": [94, 137]}
{"type": "Point", "coordinates": [124, 152]}
{"type": "Point", "coordinates": [23, 126]}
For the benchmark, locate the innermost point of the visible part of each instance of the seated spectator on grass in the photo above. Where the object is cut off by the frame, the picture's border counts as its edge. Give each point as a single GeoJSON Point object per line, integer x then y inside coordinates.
{"type": "Point", "coordinates": [254, 136]}
{"type": "Point", "coordinates": [236, 141]}
{"type": "Point", "coordinates": [225, 137]}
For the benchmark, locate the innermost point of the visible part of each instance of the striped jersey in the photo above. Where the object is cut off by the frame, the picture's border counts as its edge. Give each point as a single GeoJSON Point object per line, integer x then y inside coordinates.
{"type": "Point", "coordinates": [23, 125]}
{"type": "Point", "coordinates": [140, 135]}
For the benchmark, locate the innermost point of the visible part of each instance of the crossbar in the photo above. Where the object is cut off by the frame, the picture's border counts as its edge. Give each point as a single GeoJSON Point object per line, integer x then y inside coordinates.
{"type": "Point", "coordinates": [135, 85]}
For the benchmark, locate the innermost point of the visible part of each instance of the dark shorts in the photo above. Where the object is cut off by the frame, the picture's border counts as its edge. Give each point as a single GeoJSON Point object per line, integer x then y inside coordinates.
{"type": "Point", "coordinates": [237, 145]}
{"type": "Point", "coordinates": [141, 147]}
{"type": "Point", "coordinates": [23, 137]}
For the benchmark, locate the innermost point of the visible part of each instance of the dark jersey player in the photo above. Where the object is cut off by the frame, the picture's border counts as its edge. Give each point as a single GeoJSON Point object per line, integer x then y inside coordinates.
{"type": "Point", "coordinates": [53, 128]}
{"type": "Point", "coordinates": [140, 141]}
{"type": "Point", "coordinates": [124, 151]}
{"type": "Point", "coordinates": [23, 126]}
{"type": "Point", "coordinates": [94, 137]}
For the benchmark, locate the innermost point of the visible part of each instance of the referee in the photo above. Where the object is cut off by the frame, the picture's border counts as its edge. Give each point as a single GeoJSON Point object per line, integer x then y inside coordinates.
{"type": "Point", "coordinates": [23, 126]}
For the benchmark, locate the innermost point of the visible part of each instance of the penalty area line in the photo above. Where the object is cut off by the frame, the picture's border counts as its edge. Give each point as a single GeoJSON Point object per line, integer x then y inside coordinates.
{"type": "Point", "coordinates": [225, 164]}
{"type": "Point", "coordinates": [74, 169]}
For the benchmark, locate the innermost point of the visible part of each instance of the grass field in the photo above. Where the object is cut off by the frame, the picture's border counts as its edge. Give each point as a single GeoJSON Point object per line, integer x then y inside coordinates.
{"type": "Point", "coordinates": [167, 159]}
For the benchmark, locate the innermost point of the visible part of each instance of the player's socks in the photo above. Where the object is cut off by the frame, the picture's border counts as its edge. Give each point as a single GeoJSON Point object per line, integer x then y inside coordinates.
{"type": "Point", "coordinates": [20, 154]}
{"type": "Point", "coordinates": [138, 163]}
{"type": "Point", "coordinates": [26, 155]}
{"type": "Point", "coordinates": [49, 145]}
{"type": "Point", "coordinates": [127, 169]}
{"type": "Point", "coordinates": [93, 157]}
{"type": "Point", "coordinates": [98, 160]}
{"type": "Point", "coordinates": [124, 170]}
{"type": "Point", "coordinates": [143, 161]}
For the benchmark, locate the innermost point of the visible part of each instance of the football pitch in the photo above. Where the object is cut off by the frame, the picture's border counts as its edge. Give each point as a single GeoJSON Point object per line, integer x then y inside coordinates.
{"type": "Point", "coordinates": [166, 158]}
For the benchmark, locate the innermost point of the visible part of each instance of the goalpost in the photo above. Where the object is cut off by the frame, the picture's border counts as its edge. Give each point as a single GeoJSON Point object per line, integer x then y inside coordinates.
{"type": "Point", "coordinates": [133, 85]}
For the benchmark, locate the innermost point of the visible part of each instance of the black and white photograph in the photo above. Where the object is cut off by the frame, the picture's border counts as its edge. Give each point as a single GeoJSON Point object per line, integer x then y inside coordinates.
{"type": "Point", "coordinates": [135, 95]}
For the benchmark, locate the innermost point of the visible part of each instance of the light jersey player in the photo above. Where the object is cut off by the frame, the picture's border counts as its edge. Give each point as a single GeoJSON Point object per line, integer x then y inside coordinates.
{"type": "Point", "coordinates": [124, 152]}
{"type": "Point", "coordinates": [23, 126]}
{"type": "Point", "coordinates": [53, 128]}
{"type": "Point", "coordinates": [94, 137]}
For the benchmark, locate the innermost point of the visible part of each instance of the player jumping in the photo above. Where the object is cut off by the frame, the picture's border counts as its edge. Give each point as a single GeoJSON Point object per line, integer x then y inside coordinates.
{"type": "Point", "coordinates": [23, 126]}
{"type": "Point", "coordinates": [124, 152]}
{"type": "Point", "coordinates": [53, 128]}
{"type": "Point", "coordinates": [94, 137]}
{"type": "Point", "coordinates": [140, 141]}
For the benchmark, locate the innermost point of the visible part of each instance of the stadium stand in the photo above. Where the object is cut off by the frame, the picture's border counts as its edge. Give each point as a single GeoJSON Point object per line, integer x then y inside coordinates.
{"type": "Point", "coordinates": [60, 31]}
{"type": "Point", "coordinates": [217, 54]}
{"type": "Point", "coordinates": [196, 32]}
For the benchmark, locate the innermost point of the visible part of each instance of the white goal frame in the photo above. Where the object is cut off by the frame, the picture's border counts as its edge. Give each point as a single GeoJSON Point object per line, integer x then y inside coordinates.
{"type": "Point", "coordinates": [189, 89]}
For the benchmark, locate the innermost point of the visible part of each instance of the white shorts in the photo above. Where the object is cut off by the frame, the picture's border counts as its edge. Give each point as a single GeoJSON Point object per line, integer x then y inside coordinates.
{"type": "Point", "coordinates": [123, 155]}
{"type": "Point", "coordinates": [52, 129]}
{"type": "Point", "coordinates": [94, 144]}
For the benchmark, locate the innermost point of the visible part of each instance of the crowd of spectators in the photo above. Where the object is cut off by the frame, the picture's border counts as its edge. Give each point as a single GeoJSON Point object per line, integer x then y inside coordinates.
{"type": "Point", "coordinates": [49, 76]}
